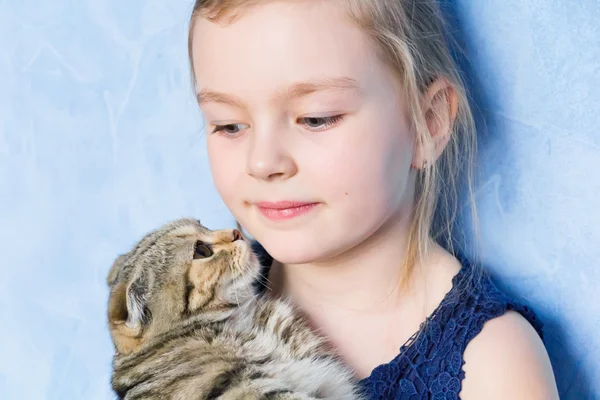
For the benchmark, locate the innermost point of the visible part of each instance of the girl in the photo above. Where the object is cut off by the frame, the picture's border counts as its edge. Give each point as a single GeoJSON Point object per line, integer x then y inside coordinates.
{"type": "Point", "coordinates": [336, 132]}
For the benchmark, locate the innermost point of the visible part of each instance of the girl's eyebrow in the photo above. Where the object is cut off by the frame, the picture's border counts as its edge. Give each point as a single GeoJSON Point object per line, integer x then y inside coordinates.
{"type": "Point", "coordinates": [327, 83]}
{"type": "Point", "coordinates": [296, 90]}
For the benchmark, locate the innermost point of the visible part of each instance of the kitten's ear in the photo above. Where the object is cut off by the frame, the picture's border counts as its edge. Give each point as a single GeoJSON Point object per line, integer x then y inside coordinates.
{"type": "Point", "coordinates": [115, 268]}
{"type": "Point", "coordinates": [125, 318]}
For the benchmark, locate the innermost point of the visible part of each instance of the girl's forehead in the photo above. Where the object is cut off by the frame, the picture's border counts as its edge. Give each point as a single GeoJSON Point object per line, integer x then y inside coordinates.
{"type": "Point", "coordinates": [281, 42]}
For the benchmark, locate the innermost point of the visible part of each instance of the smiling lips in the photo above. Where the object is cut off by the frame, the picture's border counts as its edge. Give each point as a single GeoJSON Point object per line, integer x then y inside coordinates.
{"type": "Point", "coordinates": [284, 210]}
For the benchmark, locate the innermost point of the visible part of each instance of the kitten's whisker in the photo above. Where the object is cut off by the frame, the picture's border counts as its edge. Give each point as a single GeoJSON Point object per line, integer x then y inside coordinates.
{"type": "Point", "coordinates": [237, 299]}
{"type": "Point", "coordinates": [253, 295]}
{"type": "Point", "coordinates": [268, 283]}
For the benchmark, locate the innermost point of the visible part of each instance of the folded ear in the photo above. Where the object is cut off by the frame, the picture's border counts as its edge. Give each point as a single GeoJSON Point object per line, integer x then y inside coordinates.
{"type": "Point", "coordinates": [115, 268]}
{"type": "Point", "coordinates": [125, 315]}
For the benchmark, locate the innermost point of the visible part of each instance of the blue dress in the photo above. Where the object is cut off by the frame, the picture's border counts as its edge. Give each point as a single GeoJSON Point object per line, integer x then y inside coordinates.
{"type": "Point", "coordinates": [429, 365]}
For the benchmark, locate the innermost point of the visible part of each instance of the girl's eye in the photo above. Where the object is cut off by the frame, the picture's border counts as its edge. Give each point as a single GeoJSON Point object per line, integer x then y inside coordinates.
{"type": "Point", "coordinates": [229, 129]}
{"type": "Point", "coordinates": [320, 123]}
{"type": "Point", "coordinates": [201, 250]}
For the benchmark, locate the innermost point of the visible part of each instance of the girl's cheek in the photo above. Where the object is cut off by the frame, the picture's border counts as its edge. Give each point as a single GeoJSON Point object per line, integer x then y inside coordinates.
{"type": "Point", "coordinates": [228, 175]}
{"type": "Point", "coordinates": [219, 170]}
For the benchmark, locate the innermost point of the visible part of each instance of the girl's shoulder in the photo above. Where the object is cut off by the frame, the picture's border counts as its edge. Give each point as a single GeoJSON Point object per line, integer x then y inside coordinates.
{"type": "Point", "coordinates": [430, 364]}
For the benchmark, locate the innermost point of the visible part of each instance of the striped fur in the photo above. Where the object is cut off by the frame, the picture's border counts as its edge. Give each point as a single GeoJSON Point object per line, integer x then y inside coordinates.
{"type": "Point", "coordinates": [186, 325]}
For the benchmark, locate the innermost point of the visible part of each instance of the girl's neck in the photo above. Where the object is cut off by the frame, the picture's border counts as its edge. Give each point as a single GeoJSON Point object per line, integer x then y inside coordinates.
{"type": "Point", "coordinates": [361, 280]}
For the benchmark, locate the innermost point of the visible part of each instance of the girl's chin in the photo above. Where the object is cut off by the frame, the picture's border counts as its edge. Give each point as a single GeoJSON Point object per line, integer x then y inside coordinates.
{"type": "Point", "coordinates": [301, 251]}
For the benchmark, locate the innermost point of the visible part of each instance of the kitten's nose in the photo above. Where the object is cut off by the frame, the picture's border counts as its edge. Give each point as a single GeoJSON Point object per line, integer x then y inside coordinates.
{"type": "Point", "coordinates": [226, 236]}
{"type": "Point", "coordinates": [237, 235]}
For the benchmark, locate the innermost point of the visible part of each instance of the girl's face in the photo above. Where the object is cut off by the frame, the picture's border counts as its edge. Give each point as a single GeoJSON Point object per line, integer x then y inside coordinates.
{"type": "Point", "coordinates": [300, 109]}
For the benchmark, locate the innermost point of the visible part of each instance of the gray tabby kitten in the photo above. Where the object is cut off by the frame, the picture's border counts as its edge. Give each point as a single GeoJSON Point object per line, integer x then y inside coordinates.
{"type": "Point", "coordinates": [186, 324]}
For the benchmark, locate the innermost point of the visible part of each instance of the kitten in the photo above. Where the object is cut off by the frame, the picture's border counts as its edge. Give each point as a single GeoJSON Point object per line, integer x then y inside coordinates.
{"type": "Point", "coordinates": [186, 324]}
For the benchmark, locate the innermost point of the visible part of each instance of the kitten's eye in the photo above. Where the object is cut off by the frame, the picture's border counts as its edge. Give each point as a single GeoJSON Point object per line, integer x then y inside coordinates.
{"type": "Point", "coordinates": [201, 250]}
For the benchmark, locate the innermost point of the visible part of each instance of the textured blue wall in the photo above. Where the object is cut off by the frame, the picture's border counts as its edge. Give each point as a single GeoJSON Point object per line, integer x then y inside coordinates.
{"type": "Point", "coordinates": [534, 68]}
{"type": "Point", "coordinates": [100, 140]}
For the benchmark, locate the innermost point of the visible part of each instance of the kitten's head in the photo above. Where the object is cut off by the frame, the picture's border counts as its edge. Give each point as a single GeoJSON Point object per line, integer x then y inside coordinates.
{"type": "Point", "coordinates": [173, 275]}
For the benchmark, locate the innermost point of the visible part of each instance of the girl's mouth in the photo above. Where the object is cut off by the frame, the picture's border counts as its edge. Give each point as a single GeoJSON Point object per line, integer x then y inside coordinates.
{"type": "Point", "coordinates": [284, 210]}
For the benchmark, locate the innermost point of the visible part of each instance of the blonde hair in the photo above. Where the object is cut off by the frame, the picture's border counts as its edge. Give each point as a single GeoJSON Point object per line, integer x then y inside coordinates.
{"type": "Point", "coordinates": [411, 37]}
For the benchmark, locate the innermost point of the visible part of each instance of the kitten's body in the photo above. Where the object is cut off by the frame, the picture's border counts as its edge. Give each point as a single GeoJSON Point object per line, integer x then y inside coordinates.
{"type": "Point", "coordinates": [189, 327]}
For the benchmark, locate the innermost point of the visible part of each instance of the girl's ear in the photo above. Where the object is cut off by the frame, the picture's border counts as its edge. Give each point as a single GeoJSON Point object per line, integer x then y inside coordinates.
{"type": "Point", "coordinates": [440, 106]}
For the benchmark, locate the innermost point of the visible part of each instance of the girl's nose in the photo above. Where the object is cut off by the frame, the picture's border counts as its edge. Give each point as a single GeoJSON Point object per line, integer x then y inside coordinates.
{"type": "Point", "coordinates": [268, 159]}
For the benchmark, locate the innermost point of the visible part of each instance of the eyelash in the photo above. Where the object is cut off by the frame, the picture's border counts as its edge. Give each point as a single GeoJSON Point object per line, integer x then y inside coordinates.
{"type": "Point", "coordinates": [220, 129]}
{"type": "Point", "coordinates": [329, 121]}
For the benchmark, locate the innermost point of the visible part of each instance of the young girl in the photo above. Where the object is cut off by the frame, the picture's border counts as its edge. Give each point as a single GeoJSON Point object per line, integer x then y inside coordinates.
{"type": "Point", "coordinates": [337, 130]}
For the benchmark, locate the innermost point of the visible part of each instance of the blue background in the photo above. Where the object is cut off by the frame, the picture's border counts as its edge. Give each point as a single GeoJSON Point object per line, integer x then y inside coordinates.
{"type": "Point", "coordinates": [100, 141]}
